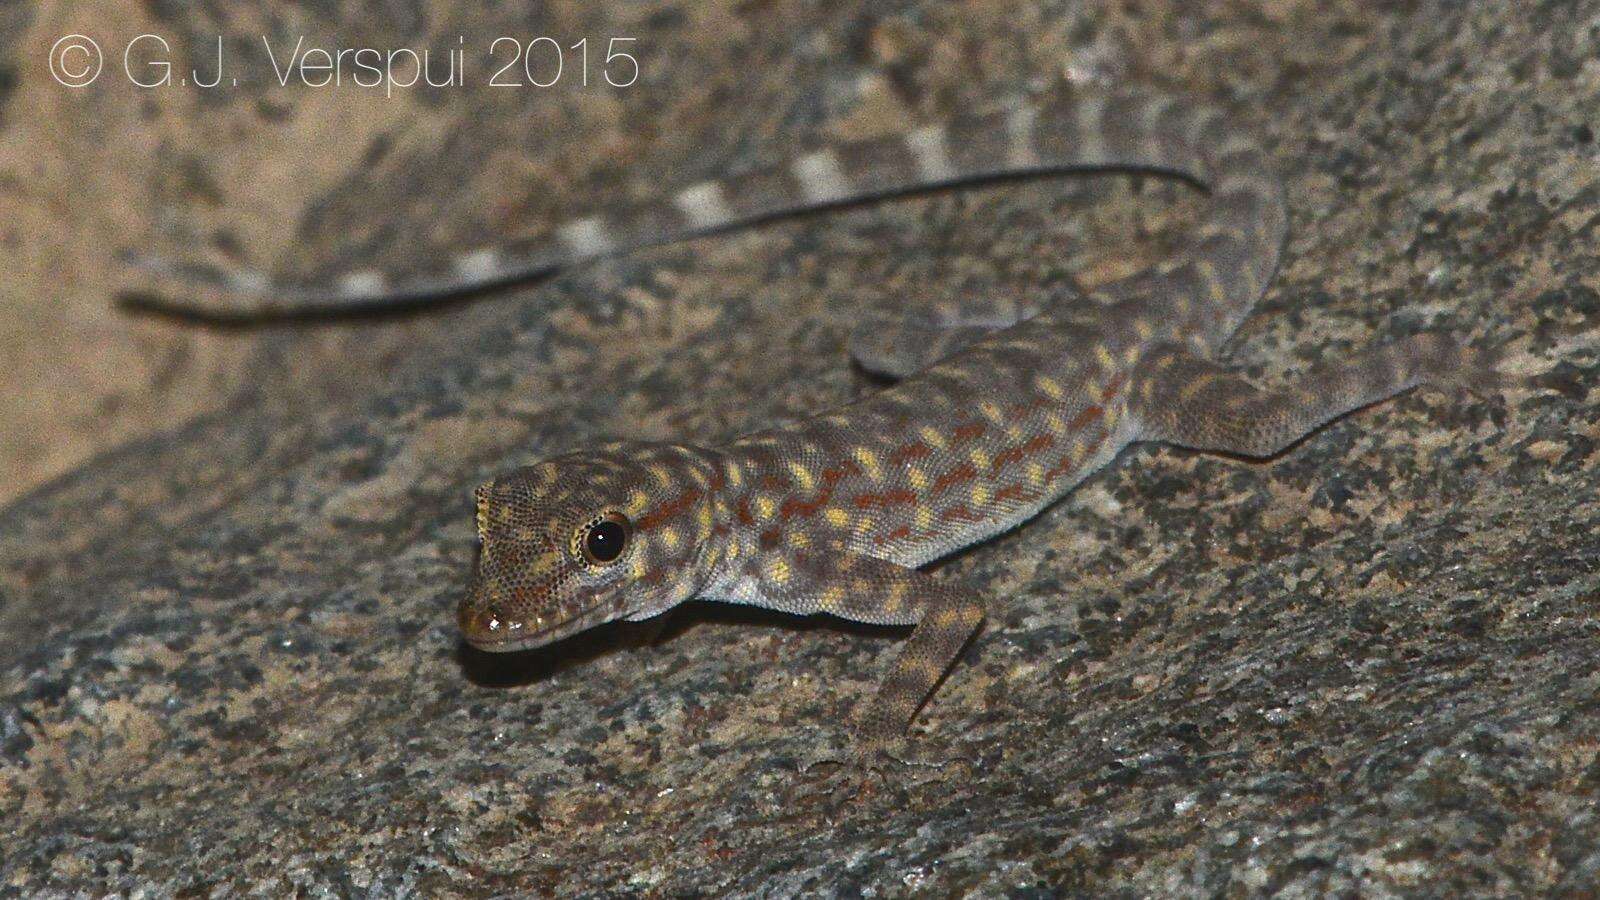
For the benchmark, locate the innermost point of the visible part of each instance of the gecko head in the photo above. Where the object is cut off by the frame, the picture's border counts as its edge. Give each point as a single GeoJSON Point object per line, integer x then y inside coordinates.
{"type": "Point", "coordinates": [585, 538]}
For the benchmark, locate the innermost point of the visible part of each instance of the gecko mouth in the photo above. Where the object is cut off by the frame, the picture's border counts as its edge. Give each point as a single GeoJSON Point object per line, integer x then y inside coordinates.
{"type": "Point", "coordinates": [486, 630]}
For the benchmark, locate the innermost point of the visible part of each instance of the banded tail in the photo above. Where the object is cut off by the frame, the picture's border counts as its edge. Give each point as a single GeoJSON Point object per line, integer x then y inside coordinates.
{"type": "Point", "coordinates": [1233, 255]}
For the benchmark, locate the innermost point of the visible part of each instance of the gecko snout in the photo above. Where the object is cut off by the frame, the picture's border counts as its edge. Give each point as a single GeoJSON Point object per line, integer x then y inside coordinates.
{"type": "Point", "coordinates": [478, 622]}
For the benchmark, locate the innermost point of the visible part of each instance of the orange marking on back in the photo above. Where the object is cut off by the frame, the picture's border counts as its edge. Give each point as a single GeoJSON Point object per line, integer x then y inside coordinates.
{"type": "Point", "coordinates": [773, 483]}
{"type": "Point", "coordinates": [1065, 464]}
{"type": "Point", "coordinates": [743, 512]}
{"type": "Point", "coordinates": [969, 432]}
{"type": "Point", "coordinates": [961, 511]}
{"type": "Point", "coordinates": [1022, 451]}
{"type": "Point", "coordinates": [1062, 467]}
{"type": "Point", "coordinates": [1082, 420]}
{"type": "Point", "coordinates": [831, 475]}
{"type": "Point", "coordinates": [913, 450]}
{"type": "Point", "coordinates": [1021, 410]}
{"type": "Point", "coordinates": [963, 472]}
{"type": "Point", "coordinates": [904, 531]}
{"type": "Point", "coordinates": [667, 510]}
{"type": "Point", "coordinates": [794, 506]}
{"type": "Point", "coordinates": [885, 499]}
{"type": "Point", "coordinates": [1010, 492]}
{"type": "Point", "coordinates": [770, 538]}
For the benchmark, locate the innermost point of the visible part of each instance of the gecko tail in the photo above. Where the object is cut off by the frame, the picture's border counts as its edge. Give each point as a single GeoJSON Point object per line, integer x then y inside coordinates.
{"type": "Point", "coordinates": [1448, 363]}
{"type": "Point", "coordinates": [242, 295]}
{"type": "Point", "coordinates": [1122, 131]}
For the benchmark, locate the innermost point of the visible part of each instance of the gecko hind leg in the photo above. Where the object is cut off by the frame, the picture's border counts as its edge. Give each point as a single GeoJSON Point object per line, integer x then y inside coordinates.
{"type": "Point", "coordinates": [1182, 399]}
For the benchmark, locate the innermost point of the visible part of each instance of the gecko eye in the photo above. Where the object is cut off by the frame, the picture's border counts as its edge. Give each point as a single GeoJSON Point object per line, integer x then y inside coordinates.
{"type": "Point", "coordinates": [602, 539]}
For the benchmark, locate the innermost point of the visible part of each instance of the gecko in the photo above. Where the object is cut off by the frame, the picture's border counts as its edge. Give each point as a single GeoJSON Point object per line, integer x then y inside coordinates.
{"type": "Point", "coordinates": [999, 411]}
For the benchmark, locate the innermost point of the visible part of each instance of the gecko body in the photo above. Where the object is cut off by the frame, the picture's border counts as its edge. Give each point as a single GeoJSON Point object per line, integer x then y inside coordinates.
{"type": "Point", "coordinates": [991, 422]}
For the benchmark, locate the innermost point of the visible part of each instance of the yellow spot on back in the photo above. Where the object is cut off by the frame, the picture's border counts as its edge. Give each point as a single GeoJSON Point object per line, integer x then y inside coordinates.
{"type": "Point", "coordinates": [735, 474]}
{"type": "Point", "coordinates": [765, 506]}
{"type": "Point", "coordinates": [1142, 328]}
{"type": "Point", "coordinates": [777, 570]}
{"type": "Point", "coordinates": [1103, 355]}
{"type": "Point", "coordinates": [1194, 387]}
{"type": "Point", "coordinates": [980, 495]}
{"type": "Point", "coordinates": [923, 517]}
{"type": "Point", "coordinates": [868, 461]}
{"type": "Point", "coordinates": [803, 476]}
{"type": "Point", "coordinates": [992, 412]}
{"type": "Point", "coordinates": [979, 458]}
{"type": "Point", "coordinates": [1051, 387]}
{"type": "Point", "coordinates": [917, 478]}
{"type": "Point", "coordinates": [1208, 273]}
{"type": "Point", "coordinates": [836, 517]}
{"type": "Point", "coordinates": [670, 538]}
{"type": "Point", "coordinates": [932, 436]}
{"type": "Point", "coordinates": [662, 475]}
{"type": "Point", "coordinates": [637, 501]}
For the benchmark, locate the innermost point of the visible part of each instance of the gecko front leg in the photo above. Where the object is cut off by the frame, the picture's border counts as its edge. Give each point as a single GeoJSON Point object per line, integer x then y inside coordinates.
{"type": "Point", "coordinates": [872, 591]}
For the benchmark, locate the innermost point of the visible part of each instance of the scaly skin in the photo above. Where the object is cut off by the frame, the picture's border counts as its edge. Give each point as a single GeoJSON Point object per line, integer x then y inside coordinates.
{"type": "Point", "coordinates": [835, 514]}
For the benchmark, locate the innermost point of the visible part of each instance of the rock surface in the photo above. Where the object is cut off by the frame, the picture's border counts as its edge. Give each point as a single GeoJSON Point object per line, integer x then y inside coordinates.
{"type": "Point", "coordinates": [227, 657]}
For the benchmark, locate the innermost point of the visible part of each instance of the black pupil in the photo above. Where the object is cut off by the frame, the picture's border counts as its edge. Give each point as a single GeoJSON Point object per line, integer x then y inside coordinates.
{"type": "Point", "coordinates": [604, 542]}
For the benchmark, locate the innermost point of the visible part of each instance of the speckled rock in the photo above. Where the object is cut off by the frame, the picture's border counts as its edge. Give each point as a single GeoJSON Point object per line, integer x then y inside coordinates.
{"type": "Point", "coordinates": [227, 658]}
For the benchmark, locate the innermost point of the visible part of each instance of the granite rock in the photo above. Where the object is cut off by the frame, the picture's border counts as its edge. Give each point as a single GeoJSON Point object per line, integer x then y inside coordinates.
{"type": "Point", "coordinates": [227, 655]}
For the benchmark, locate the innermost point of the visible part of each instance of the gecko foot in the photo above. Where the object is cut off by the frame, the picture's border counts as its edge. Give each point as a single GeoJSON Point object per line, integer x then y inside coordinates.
{"type": "Point", "coordinates": [858, 767]}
